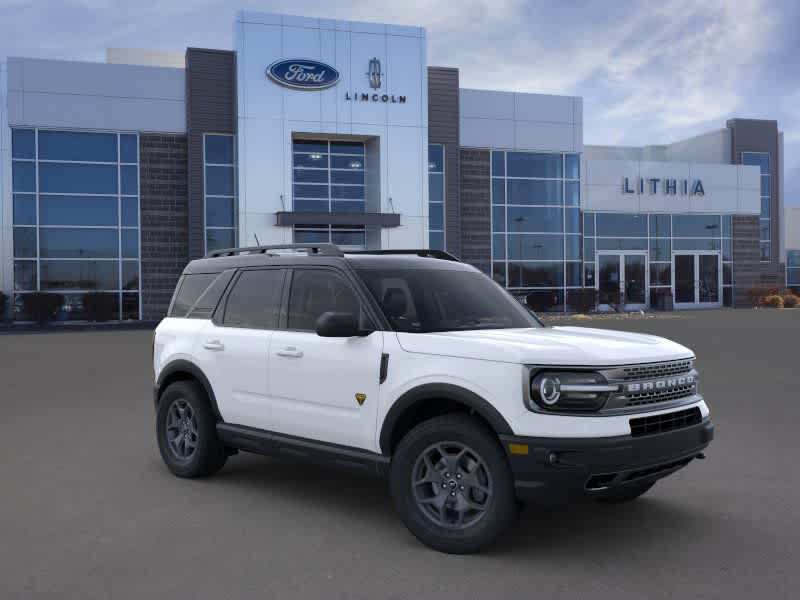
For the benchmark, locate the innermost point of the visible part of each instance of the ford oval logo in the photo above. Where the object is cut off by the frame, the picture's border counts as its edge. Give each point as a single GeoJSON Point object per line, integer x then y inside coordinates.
{"type": "Point", "coordinates": [303, 74]}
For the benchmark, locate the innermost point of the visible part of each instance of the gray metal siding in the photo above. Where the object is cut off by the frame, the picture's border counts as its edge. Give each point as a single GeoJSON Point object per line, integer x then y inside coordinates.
{"type": "Point", "coordinates": [210, 108]}
{"type": "Point", "coordinates": [476, 207]}
{"type": "Point", "coordinates": [443, 128]}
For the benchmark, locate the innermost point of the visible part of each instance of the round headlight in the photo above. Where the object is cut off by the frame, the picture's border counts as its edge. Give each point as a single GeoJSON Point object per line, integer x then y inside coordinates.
{"type": "Point", "coordinates": [549, 390]}
{"type": "Point", "coordinates": [571, 391]}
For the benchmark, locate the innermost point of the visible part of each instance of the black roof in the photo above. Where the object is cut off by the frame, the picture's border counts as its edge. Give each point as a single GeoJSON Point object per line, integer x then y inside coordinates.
{"type": "Point", "coordinates": [323, 254]}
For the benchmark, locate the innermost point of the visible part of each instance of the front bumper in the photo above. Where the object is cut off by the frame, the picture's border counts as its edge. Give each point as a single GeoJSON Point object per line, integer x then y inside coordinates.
{"type": "Point", "coordinates": [548, 470]}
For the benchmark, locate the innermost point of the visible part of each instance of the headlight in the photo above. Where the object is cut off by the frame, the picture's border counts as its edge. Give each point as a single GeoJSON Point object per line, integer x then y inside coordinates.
{"type": "Point", "coordinates": [570, 391]}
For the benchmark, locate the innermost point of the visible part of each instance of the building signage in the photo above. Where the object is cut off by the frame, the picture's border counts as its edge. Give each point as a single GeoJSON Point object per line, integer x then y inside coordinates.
{"type": "Point", "coordinates": [667, 186]}
{"type": "Point", "coordinates": [303, 74]}
{"type": "Point", "coordinates": [375, 78]}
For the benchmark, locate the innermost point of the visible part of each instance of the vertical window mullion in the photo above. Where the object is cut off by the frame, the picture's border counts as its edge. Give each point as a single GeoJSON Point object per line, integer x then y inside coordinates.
{"type": "Point", "coordinates": [119, 230]}
{"type": "Point", "coordinates": [36, 187]}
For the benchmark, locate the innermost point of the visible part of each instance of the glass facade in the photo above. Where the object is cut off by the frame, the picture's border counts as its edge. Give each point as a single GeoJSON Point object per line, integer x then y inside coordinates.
{"type": "Point", "coordinates": [659, 235]}
{"type": "Point", "coordinates": [793, 268]}
{"type": "Point", "coordinates": [436, 196]}
{"type": "Point", "coordinates": [328, 176]}
{"type": "Point", "coordinates": [536, 241]}
{"type": "Point", "coordinates": [76, 219]}
{"type": "Point", "coordinates": [761, 160]}
{"type": "Point", "coordinates": [219, 167]}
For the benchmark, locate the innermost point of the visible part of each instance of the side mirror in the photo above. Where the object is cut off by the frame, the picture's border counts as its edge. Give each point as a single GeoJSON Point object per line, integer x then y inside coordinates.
{"type": "Point", "coordinates": [338, 324]}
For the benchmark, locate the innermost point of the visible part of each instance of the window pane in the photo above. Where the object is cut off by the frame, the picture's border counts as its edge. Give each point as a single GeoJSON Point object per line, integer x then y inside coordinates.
{"type": "Point", "coordinates": [189, 290]}
{"type": "Point", "coordinates": [77, 179]}
{"type": "Point", "coordinates": [78, 243]}
{"type": "Point", "coordinates": [79, 275]}
{"type": "Point", "coordinates": [347, 148]}
{"type": "Point", "coordinates": [348, 206]}
{"type": "Point", "coordinates": [793, 258]}
{"type": "Point", "coordinates": [255, 300]}
{"type": "Point", "coordinates": [521, 191]}
{"type": "Point", "coordinates": [311, 175]}
{"type": "Point", "coordinates": [348, 238]}
{"type": "Point", "coordinates": [660, 226]}
{"type": "Point", "coordinates": [130, 243]}
{"type": "Point", "coordinates": [129, 180]}
{"type": "Point", "coordinates": [764, 208]}
{"type": "Point", "coordinates": [219, 181]}
{"type": "Point", "coordinates": [498, 218]}
{"type": "Point", "coordinates": [572, 220]}
{"type": "Point", "coordinates": [540, 220]}
{"type": "Point", "coordinates": [498, 163]}
{"type": "Point", "coordinates": [572, 244]}
{"type": "Point", "coordinates": [759, 159]}
{"type": "Point", "coordinates": [344, 162]}
{"type": "Point", "coordinates": [436, 240]}
{"type": "Point", "coordinates": [310, 146]}
{"type": "Point", "coordinates": [498, 191]}
{"type": "Point", "coordinates": [219, 212]}
{"type": "Point", "coordinates": [660, 249]}
{"type": "Point", "coordinates": [573, 166]}
{"type": "Point", "coordinates": [77, 210]}
{"type": "Point", "coordinates": [130, 212]}
{"type": "Point", "coordinates": [24, 209]}
{"type": "Point", "coordinates": [128, 149]}
{"type": "Point", "coordinates": [436, 187]}
{"type": "Point", "coordinates": [130, 274]}
{"type": "Point", "coordinates": [25, 275]}
{"type": "Point", "coordinates": [529, 164]}
{"type": "Point", "coordinates": [316, 161]}
{"type": "Point", "coordinates": [130, 307]}
{"type": "Point", "coordinates": [588, 274]}
{"type": "Point", "coordinates": [310, 191]}
{"type": "Point", "coordinates": [217, 239]}
{"type": "Point", "coordinates": [660, 274]}
{"type": "Point", "coordinates": [74, 145]}
{"type": "Point", "coordinates": [765, 251]}
{"type": "Point", "coordinates": [588, 224]}
{"type": "Point", "coordinates": [356, 177]}
{"type": "Point", "coordinates": [316, 291]}
{"type": "Point", "coordinates": [219, 149]}
{"type": "Point", "coordinates": [499, 246]}
{"type": "Point", "coordinates": [23, 144]}
{"type": "Point", "coordinates": [763, 229]}
{"type": "Point", "coordinates": [696, 225]}
{"type": "Point", "coordinates": [545, 301]}
{"type": "Point", "coordinates": [623, 225]}
{"type": "Point", "coordinates": [727, 273]}
{"type": "Point", "coordinates": [765, 185]}
{"type": "Point", "coordinates": [621, 243]}
{"type": "Point", "coordinates": [25, 242]}
{"type": "Point", "coordinates": [588, 249]}
{"type": "Point", "coordinates": [23, 176]}
{"type": "Point", "coordinates": [311, 205]}
{"type": "Point", "coordinates": [572, 190]}
{"type": "Point", "coordinates": [499, 273]}
{"type": "Point", "coordinates": [727, 226]}
{"type": "Point", "coordinates": [793, 277]}
{"type": "Point", "coordinates": [348, 192]}
{"type": "Point", "coordinates": [436, 216]}
{"type": "Point", "coordinates": [536, 274]}
{"type": "Point", "coordinates": [573, 274]}
{"type": "Point", "coordinates": [435, 158]}
{"type": "Point", "coordinates": [312, 237]}
{"type": "Point", "coordinates": [727, 249]}
{"type": "Point", "coordinates": [535, 247]}
{"type": "Point", "coordinates": [695, 244]}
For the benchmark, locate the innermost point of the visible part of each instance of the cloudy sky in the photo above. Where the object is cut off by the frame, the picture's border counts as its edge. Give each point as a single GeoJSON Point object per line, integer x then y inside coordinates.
{"type": "Point", "coordinates": [649, 72]}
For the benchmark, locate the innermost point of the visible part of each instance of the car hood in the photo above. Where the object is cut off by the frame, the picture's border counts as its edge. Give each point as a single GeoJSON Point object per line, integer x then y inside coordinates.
{"type": "Point", "coordinates": [576, 346]}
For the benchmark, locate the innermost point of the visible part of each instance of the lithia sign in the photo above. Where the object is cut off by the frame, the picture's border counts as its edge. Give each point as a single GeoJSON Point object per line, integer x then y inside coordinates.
{"type": "Point", "coordinates": [306, 74]}
{"type": "Point", "coordinates": [667, 186]}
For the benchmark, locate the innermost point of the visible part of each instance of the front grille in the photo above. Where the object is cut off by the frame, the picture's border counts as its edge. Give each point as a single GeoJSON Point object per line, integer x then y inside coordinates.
{"type": "Point", "coordinates": [656, 370]}
{"type": "Point", "coordinates": [665, 422]}
{"type": "Point", "coordinates": [675, 393]}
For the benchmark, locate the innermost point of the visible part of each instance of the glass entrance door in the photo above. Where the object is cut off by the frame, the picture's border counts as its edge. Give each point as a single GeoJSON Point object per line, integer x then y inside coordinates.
{"type": "Point", "coordinates": [697, 279]}
{"type": "Point", "coordinates": [622, 280]}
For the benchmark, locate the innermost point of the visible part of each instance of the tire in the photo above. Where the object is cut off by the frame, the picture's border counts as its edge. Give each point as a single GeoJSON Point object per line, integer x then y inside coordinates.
{"type": "Point", "coordinates": [624, 494]}
{"type": "Point", "coordinates": [457, 512]}
{"type": "Point", "coordinates": [184, 412]}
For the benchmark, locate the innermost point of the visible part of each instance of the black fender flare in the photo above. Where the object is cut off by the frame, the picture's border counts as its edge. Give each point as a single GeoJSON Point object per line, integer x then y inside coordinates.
{"type": "Point", "coordinates": [439, 391]}
{"type": "Point", "coordinates": [184, 366]}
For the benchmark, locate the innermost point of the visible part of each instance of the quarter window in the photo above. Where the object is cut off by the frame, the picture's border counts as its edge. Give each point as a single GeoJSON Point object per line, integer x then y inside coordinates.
{"type": "Point", "coordinates": [254, 301]}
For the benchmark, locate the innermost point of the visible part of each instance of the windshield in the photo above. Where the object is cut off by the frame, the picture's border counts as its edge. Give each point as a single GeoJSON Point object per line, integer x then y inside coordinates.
{"type": "Point", "coordinates": [429, 300]}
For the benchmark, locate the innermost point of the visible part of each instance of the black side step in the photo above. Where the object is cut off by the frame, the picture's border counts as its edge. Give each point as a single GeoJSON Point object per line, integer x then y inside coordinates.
{"type": "Point", "coordinates": [268, 443]}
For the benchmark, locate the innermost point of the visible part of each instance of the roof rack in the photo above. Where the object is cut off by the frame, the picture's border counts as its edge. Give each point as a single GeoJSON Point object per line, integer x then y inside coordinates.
{"type": "Point", "coordinates": [311, 249]}
{"type": "Point", "coordinates": [423, 252]}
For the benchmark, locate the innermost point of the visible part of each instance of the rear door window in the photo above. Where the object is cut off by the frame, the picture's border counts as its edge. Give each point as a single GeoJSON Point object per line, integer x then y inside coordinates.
{"type": "Point", "coordinates": [254, 301]}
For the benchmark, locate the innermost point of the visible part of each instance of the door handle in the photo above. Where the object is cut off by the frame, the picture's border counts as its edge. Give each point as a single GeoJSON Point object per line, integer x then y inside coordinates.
{"type": "Point", "coordinates": [213, 345]}
{"type": "Point", "coordinates": [290, 352]}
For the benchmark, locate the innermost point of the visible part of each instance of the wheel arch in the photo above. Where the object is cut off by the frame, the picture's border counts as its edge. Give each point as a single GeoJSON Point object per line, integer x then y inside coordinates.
{"type": "Point", "coordinates": [183, 370]}
{"type": "Point", "coordinates": [429, 400]}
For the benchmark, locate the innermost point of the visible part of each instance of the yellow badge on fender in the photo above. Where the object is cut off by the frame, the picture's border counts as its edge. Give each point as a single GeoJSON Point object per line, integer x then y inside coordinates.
{"type": "Point", "coordinates": [360, 398]}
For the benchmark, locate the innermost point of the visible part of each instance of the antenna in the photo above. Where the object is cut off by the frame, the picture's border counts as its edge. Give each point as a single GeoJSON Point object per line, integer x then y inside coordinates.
{"type": "Point", "coordinates": [255, 235]}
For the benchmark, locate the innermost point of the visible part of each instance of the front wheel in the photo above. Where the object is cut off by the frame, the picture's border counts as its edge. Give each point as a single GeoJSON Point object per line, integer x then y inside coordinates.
{"type": "Point", "coordinates": [452, 485]}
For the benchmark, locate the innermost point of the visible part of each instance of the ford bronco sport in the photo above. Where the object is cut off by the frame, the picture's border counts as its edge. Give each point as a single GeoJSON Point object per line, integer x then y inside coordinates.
{"type": "Point", "coordinates": [416, 367]}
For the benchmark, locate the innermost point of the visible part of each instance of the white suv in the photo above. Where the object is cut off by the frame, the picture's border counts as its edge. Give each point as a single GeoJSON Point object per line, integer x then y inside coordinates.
{"type": "Point", "coordinates": [414, 366]}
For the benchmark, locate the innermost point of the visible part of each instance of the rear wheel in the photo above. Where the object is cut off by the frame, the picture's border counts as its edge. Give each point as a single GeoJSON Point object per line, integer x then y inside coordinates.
{"type": "Point", "coordinates": [623, 494]}
{"type": "Point", "coordinates": [187, 432]}
{"type": "Point", "coordinates": [452, 485]}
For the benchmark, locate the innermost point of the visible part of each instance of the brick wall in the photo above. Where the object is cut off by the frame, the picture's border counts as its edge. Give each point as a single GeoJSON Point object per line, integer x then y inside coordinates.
{"type": "Point", "coordinates": [476, 207]}
{"type": "Point", "coordinates": [164, 214]}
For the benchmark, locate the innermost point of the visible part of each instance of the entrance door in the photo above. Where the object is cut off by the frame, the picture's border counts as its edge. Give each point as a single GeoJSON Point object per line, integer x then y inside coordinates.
{"type": "Point", "coordinates": [622, 279]}
{"type": "Point", "coordinates": [697, 279]}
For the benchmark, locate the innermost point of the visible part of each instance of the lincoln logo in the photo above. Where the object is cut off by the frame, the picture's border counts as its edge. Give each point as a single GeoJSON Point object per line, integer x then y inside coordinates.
{"type": "Point", "coordinates": [374, 74]}
{"type": "Point", "coordinates": [301, 74]}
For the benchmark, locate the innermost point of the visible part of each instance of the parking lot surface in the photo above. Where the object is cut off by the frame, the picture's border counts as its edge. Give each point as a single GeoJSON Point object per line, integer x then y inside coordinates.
{"type": "Point", "coordinates": [87, 509]}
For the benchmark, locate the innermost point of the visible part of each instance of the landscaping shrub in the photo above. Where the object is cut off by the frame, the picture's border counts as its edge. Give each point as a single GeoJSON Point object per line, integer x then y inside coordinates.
{"type": "Point", "coordinates": [790, 301]}
{"type": "Point", "coordinates": [758, 295]}
{"type": "Point", "coordinates": [41, 306]}
{"type": "Point", "coordinates": [99, 306]}
{"type": "Point", "coordinates": [773, 301]}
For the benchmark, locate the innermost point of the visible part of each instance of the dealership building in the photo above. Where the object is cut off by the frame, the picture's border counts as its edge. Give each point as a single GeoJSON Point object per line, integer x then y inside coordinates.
{"type": "Point", "coordinates": [113, 175]}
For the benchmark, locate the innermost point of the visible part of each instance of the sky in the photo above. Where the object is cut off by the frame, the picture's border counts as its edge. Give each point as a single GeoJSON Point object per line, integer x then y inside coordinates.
{"type": "Point", "coordinates": [649, 72]}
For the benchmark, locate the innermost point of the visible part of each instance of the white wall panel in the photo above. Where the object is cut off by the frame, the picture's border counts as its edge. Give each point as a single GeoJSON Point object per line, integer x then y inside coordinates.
{"type": "Point", "coordinates": [486, 133]}
{"type": "Point", "coordinates": [486, 104]}
{"type": "Point", "coordinates": [540, 135]}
